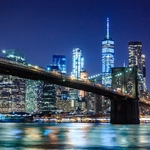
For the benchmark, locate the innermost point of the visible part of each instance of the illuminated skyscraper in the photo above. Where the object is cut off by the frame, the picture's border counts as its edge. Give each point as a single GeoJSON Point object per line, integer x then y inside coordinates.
{"type": "Point", "coordinates": [78, 63]}
{"type": "Point", "coordinates": [136, 58]}
{"type": "Point", "coordinates": [49, 97]}
{"type": "Point", "coordinates": [34, 92]}
{"type": "Point", "coordinates": [50, 100]}
{"type": "Point", "coordinates": [77, 68]}
{"type": "Point", "coordinates": [61, 62]}
{"type": "Point", "coordinates": [107, 58]}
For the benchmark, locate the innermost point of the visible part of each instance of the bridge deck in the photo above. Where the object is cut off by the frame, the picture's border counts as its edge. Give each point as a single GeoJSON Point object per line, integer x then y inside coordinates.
{"type": "Point", "coordinates": [39, 73]}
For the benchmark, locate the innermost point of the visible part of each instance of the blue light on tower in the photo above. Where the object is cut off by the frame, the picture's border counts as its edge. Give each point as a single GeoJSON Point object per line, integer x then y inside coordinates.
{"type": "Point", "coordinates": [61, 62]}
{"type": "Point", "coordinates": [107, 58]}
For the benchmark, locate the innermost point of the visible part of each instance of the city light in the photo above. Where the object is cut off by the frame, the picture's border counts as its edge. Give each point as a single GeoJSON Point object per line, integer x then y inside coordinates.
{"type": "Point", "coordinates": [78, 102]}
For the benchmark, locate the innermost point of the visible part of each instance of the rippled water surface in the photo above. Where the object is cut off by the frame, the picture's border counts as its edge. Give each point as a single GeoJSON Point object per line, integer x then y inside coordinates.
{"type": "Point", "coordinates": [46, 136]}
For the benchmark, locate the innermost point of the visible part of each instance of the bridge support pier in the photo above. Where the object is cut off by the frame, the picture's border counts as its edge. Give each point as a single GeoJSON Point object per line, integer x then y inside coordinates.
{"type": "Point", "coordinates": [125, 111]}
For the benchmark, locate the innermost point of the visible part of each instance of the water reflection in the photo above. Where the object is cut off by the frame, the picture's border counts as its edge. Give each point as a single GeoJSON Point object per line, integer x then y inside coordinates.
{"type": "Point", "coordinates": [36, 136]}
{"type": "Point", "coordinates": [52, 134]}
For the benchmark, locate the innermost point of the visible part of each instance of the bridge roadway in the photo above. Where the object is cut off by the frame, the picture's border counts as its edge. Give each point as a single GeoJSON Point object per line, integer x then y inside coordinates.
{"type": "Point", "coordinates": [38, 73]}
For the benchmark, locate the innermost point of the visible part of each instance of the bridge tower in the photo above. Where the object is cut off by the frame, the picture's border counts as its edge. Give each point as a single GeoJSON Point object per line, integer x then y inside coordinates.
{"type": "Point", "coordinates": [125, 110]}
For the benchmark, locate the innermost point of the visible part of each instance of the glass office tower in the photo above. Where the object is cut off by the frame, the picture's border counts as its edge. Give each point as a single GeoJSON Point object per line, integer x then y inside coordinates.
{"type": "Point", "coordinates": [49, 98]}
{"type": "Point", "coordinates": [136, 58]}
{"type": "Point", "coordinates": [61, 62]}
{"type": "Point", "coordinates": [107, 58]}
{"type": "Point", "coordinates": [77, 68]}
{"type": "Point", "coordinates": [49, 90]}
{"type": "Point", "coordinates": [34, 91]}
{"type": "Point", "coordinates": [78, 63]}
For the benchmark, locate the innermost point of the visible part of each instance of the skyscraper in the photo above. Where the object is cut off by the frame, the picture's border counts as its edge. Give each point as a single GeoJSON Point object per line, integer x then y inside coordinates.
{"type": "Point", "coordinates": [34, 92]}
{"type": "Point", "coordinates": [50, 99]}
{"type": "Point", "coordinates": [78, 63]}
{"type": "Point", "coordinates": [77, 68]}
{"type": "Point", "coordinates": [136, 58]}
{"type": "Point", "coordinates": [61, 62]}
{"type": "Point", "coordinates": [107, 58]}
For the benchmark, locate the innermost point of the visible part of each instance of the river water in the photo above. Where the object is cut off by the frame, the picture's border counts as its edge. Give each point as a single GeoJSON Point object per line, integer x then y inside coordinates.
{"type": "Point", "coordinates": [78, 136]}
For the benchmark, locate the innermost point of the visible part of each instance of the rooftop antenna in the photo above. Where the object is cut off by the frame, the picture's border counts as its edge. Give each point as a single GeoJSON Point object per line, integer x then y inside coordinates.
{"type": "Point", "coordinates": [107, 36]}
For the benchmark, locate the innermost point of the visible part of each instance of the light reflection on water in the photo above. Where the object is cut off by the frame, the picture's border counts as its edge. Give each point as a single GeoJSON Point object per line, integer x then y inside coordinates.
{"type": "Point", "coordinates": [46, 136]}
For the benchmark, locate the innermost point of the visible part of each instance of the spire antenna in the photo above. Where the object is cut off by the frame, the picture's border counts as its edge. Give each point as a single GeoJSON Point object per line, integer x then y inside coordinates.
{"type": "Point", "coordinates": [107, 36]}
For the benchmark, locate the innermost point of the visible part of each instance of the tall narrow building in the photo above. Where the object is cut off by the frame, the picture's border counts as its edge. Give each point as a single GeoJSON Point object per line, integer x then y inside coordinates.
{"type": "Point", "coordinates": [136, 58]}
{"type": "Point", "coordinates": [77, 68]}
{"type": "Point", "coordinates": [78, 63]}
{"type": "Point", "coordinates": [49, 98]}
{"type": "Point", "coordinates": [107, 58]}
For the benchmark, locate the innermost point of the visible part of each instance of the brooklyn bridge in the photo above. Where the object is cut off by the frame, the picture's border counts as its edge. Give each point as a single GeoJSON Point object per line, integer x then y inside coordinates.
{"type": "Point", "coordinates": [124, 105]}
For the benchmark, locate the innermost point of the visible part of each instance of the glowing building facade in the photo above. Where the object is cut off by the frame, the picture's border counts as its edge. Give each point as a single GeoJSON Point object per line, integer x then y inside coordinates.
{"type": "Point", "coordinates": [61, 62]}
{"type": "Point", "coordinates": [136, 58]}
{"type": "Point", "coordinates": [50, 99]}
{"type": "Point", "coordinates": [107, 58]}
{"type": "Point", "coordinates": [77, 68]}
{"type": "Point", "coordinates": [18, 94]}
{"type": "Point", "coordinates": [12, 88]}
{"type": "Point", "coordinates": [78, 63]}
{"type": "Point", "coordinates": [33, 100]}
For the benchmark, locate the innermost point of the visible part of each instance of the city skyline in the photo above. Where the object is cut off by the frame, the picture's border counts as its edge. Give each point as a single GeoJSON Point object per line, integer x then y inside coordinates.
{"type": "Point", "coordinates": [45, 28]}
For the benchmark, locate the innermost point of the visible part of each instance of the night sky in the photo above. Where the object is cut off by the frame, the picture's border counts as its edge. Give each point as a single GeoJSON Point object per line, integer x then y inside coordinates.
{"type": "Point", "coordinates": [43, 28]}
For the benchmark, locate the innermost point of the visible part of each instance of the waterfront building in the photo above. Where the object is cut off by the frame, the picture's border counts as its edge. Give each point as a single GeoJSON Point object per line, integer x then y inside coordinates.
{"type": "Point", "coordinates": [107, 58]}
{"type": "Point", "coordinates": [12, 93]}
{"type": "Point", "coordinates": [23, 94]}
{"type": "Point", "coordinates": [34, 92]}
{"type": "Point", "coordinates": [48, 98]}
{"type": "Point", "coordinates": [12, 88]}
{"type": "Point", "coordinates": [64, 105]}
{"type": "Point", "coordinates": [137, 58]}
{"type": "Point", "coordinates": [63, 101]}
